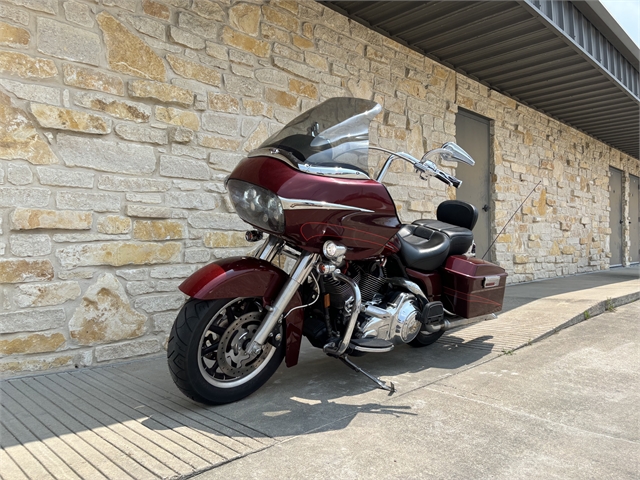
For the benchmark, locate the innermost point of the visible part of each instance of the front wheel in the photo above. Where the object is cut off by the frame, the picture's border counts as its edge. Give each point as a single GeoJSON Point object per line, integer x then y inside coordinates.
{"type": "Point", "coordinates": [206, 351]}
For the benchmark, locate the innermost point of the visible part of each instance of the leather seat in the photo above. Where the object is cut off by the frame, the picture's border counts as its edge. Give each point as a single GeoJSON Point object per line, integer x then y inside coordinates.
{"type": "Point", "coordinates": [456, 219]}
{"type": "Point", "coordinates": [460, 238]}
{"type": "Point", "coordinates": [457, 212]}
{"type": "Point", "coordinates": [423, 248]}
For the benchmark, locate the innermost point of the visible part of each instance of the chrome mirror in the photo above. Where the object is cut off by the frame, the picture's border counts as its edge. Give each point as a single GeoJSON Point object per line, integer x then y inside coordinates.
{"type": "Point", "coordinates": [456, 153]}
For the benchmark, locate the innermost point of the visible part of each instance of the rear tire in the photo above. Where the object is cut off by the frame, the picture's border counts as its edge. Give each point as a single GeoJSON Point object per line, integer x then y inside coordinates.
{"type": "Point", "coordinates": [205, 351]}
{"type": "Point", "coordinates": [423, 340]}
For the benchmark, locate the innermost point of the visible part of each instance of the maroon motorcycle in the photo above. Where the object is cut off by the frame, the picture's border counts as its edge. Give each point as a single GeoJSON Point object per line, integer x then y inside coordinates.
{"type": "Point", "coordinates": [359, 281]}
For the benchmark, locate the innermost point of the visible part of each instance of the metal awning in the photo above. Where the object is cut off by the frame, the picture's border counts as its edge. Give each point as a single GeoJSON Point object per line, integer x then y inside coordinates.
{"type": "Point", "coordinates": [569, 60]}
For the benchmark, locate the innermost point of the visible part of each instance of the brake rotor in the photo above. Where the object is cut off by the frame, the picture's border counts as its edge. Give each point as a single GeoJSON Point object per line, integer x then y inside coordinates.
{"type": "Point", "coordinates": [232, 358]}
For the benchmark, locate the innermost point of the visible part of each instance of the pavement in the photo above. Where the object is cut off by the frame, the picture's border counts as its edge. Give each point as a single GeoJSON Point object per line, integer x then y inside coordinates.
{"type": "Point", "coordinates": [489, 400]}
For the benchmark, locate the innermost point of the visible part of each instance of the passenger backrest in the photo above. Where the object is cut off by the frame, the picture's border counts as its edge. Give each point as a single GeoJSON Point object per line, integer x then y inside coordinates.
{"type": "Point", "coordinates": [458, 213]}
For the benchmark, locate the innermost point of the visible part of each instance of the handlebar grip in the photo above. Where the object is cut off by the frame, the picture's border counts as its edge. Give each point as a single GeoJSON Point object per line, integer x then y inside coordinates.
{"type": "Point", "coordinates": [448, 179]}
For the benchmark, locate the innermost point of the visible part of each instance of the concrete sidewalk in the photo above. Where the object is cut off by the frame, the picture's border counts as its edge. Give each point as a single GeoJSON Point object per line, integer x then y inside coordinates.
{"type": "Point", "coordinates": [129, 421]}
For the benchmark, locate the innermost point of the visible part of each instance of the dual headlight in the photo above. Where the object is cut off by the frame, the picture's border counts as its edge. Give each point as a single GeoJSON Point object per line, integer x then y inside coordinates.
{"type": "Point", "coordinates": [257, 206]}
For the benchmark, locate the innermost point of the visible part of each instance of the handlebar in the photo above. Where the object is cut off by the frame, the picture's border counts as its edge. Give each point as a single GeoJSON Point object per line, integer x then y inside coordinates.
{"type": "Point", "coordinates": [427, 166]}
{"type": "Point", "coordinates": [430, 168]}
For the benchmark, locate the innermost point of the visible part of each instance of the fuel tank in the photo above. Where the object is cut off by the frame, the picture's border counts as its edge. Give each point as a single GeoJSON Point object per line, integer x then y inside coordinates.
{"type": "Point", "coordinates": [360, 214]}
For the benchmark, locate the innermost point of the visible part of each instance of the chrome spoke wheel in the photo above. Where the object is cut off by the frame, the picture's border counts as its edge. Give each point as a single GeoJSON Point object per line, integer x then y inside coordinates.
{"type": "Point", "coordinates": [224, 361]}
{"type": "Point", "coordinates": [207, 347]}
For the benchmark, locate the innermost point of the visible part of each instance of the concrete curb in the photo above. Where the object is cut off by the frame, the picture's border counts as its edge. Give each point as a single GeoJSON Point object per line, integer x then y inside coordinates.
{"type": "Point", "coordinates": [597, 309]}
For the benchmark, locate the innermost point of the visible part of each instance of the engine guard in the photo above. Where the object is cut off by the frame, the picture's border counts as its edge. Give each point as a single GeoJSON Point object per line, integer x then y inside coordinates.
{"type": "Point", "coordinates": [249, 277]}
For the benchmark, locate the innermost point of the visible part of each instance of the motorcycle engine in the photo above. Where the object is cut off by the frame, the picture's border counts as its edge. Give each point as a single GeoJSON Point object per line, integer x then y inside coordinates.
{"type": "Point", "coordinates": [396, 318]}
{"type": "Point", "coordinates": [388, 315]}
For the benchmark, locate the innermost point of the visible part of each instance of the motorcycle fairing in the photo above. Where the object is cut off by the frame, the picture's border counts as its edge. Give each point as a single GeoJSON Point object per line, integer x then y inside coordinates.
{"type": "Point", "coordinates": [249, 277]}
{"type": "Point", "coordinates": [365, 234]}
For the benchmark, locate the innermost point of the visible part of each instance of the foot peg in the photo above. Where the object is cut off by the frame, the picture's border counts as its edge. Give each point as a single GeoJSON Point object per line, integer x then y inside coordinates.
{"type": "Point", "coordinates": [370, 345]}
{"type": "Point", "coordinates": [389, 388]}
{"type": "Point", "coordinates": [432, 317]}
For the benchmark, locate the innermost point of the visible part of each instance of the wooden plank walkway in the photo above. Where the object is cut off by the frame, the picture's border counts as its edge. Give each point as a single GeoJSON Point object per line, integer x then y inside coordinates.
{"type": "Point", "coordinates": [128, 421]}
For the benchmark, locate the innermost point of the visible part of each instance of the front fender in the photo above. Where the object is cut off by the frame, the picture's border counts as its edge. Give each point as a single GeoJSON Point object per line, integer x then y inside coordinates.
{"type": "Point", "coordinates": [235, 277]}
{"type": "Point", "coordinates": [249, 277]}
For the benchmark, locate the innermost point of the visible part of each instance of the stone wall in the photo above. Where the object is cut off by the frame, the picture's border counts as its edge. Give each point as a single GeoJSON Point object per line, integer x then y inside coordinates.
{"type": "Point", "coordinates": [119, 120]}
{"type": "Point", "coordinates": [564, 227]}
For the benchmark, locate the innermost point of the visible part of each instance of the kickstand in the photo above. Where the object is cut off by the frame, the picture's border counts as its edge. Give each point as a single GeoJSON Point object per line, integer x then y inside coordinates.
{"type": "Point", "coordinates": [391, 389]}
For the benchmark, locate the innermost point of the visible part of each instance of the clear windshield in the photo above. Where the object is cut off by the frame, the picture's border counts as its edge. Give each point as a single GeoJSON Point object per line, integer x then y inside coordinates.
{"type": "Point", "coordinates": [334, 133]}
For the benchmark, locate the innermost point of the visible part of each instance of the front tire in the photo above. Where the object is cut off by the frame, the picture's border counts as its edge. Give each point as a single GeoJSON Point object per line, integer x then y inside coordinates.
{"type": "Point", "coordinates": [206, 350]}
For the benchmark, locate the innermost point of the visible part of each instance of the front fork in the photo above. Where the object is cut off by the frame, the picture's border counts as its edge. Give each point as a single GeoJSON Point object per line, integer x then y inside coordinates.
{"type": "Point", "coordinates": [301, 270]}
{"type": "Point", "coordinates": [304, 264]}
{"type": "Point", "coordinates": [269, 249]}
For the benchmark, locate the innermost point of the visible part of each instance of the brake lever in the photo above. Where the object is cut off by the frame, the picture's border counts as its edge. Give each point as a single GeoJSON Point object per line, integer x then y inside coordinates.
{"type": "Point", "coordinates": [423, 171]}
{"type": "Point", "coordinates": [431, 166]}
{"type": "Point", "coordinates": [426, 167]}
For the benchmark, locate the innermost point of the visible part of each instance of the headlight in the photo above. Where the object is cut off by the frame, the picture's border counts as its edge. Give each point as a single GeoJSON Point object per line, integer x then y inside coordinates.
{"type": "Point", "coordinates": [257, 206]}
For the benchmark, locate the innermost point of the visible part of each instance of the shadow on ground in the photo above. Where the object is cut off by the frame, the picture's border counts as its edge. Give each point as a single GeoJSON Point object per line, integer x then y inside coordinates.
{"type": "Point", "coordinates": [320, 390]}
{"type": "Point", "coordinates": [313, 396]}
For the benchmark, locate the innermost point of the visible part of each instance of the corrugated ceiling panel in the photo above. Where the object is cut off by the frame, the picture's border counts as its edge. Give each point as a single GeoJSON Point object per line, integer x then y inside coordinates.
{"type": "Point", "coordinates": [508, 46]}
{"type": "Point", "coordinates": [577, 27]}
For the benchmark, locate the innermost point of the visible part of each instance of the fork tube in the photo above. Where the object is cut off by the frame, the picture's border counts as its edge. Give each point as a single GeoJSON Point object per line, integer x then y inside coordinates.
{"type": "Point", "coordinates": [299, 274]}
{"type": "Point", "coordinates": [269, 249]}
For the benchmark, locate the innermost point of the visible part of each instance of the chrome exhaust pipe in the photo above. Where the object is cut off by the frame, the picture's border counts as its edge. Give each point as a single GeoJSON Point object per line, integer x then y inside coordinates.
{"type": "Point", "coordinates": [445, 324]}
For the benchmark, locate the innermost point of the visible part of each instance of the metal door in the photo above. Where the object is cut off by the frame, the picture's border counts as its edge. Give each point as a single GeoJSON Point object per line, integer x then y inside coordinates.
{"type": "Point", "coordinates": [634, 221]}
{"type": "Point", "coordinates": [615, 216]}
{"type": "Point", "coordinates": [473, 134]}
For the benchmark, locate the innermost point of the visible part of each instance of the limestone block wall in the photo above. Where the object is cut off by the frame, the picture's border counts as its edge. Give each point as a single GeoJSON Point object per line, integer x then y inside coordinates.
{"type": "Point", "coordinates": [120, 119]}
{"type": "Point", "coordinates": [564, 227]}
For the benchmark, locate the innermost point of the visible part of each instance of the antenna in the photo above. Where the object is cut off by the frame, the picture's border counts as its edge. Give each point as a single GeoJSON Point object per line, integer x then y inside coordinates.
{"type": "Point", "coordinates": [514, 214]}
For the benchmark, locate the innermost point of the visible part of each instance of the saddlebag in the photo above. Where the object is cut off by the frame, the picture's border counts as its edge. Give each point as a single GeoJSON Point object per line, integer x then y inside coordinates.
{"type": "Point", "coordinates": [472, 287]}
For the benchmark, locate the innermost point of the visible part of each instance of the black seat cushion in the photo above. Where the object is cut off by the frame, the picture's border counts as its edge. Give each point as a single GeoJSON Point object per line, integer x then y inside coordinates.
{"type": "Point", "coordinates": [460, 238]}
{"type": "Point", "coordinates": [423, 248]}
{"type": "Point", "coordinates": [457, 212]}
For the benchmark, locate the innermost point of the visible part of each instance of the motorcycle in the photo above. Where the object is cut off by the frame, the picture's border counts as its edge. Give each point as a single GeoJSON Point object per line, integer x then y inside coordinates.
{"type": "Point", "coordinates": [361, 281]}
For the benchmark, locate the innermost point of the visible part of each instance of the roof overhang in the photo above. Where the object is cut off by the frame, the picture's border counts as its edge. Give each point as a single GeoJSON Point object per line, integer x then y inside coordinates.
{"type": "Point", "coordinates": [571, 61]}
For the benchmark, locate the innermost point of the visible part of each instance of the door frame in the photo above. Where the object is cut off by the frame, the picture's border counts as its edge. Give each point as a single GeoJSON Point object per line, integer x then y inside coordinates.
{"type": "Point", "coordinates": [633, 224]}
{"type": "Point", "coordinates": [622, 225]}
{"type": "Point", "coordinates": [493, 231]}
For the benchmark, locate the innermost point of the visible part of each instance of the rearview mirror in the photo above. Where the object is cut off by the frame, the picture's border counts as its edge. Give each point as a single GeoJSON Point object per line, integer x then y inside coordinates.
{"type": "Point", "coordinates": [456, 153]}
